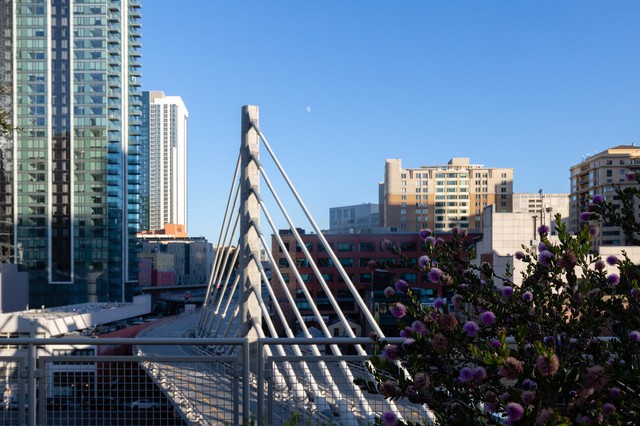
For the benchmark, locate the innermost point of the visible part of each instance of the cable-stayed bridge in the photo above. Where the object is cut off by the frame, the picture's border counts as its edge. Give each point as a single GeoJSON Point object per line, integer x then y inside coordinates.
{"type": "Point", "coordinates": [289, 370]}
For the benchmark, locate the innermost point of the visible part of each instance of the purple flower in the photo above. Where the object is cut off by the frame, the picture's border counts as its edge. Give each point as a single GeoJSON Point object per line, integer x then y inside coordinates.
{"type": "Point", "coordinates": [488, 317]}
{"type": "Point", "coordinates": [507, 292]}
{"type": "Point", "coordinates": [401, 286]}
{"type": "Point", "coordinates": [480, 373]}
{"type": "Point", "coordinates": [615, 392]}
{"type": "Point", "coordinates": [385, 244]}
{"type": "Point", "coordinates": [542, 246]}
{"type": "Point", "coordinates": [515, 411]}
{"type": "Point", "coordinates": [519, 255]}
{"type": "Point", "coordinates": [423, 261]}
{"type": "Point", "coordinates": [389, 292]}
{"type": "Point", "coordinates": [585, 216]}
{"type": "Point", "coordinates": [528, 397]}
{"type": "Point", "coordinates": [389, 418]}
{"type": "Point", "coordinates": [544, 229]}
{"type": "Point", "coordinates": [598, 198]}
{"type": "Point", "coordinates": [527, 296]}
{"type": "Point", "coordinates": [630, 177]}
{"type": "Point", "coordinates": [599, 265]}
{"type": "Point", "coordinates": [421, 381]}
{"type": "Point", "coordinates": [457, 300]}
{"type": "Point", "coordinates": [466, 374]}
{"type": "Point", "coordinates": [613, 279]}
{"type": "Point", "coordinates": [430, 240]}
{"type": "Point", "coordinates": [496, 343]}
{"type": "Point", "coordinates": [439, 303]}
{"type": "Point", "coordinates": [439, 242]}
{"type": "Point", "coordinates": [612, 260]}
{"type": "Point", "coordinates": [424, 233]}
{"type": "Point", "coordinates": [419, 327]}
{"type": "Point", "coordinates": [545, 257]}
{"type": "Point", "coordinates": [439, 343]}
{"type": "Point", "coordinates": [406, 332]}
{"type": "Point", "coordinates": [634, 336]}
{"type": "Point", "coordinates": [529, 384]}
{"type": "Point", "coordinates": [471, 328]}
{"type": "Point", "coordinates": [398, 310]}
{"type": "Point", "coordinates": [390, 352]}
{"type": "Point", "coordinates": [435, 275]}
{"type": "Point", "coordinates": [608, 408]}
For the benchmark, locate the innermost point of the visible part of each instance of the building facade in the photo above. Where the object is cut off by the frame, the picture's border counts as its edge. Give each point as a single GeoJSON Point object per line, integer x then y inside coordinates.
{"type": "Point", "coordinates": [441, 197]}
{"type": "Point", "coordinates": [369, 267]}
{"type": "Point", "coordinates": [69, 202]}
{"type": "Point", "coordinates": [164, 199]}
{"type": "Point", "coordinates": [601, 174]}
{"type": "Point", "coordinates": [190, 259]}
{"type": "Point", "coordinates": [357, 219]}
{"type": "Point", "coordinates": [542, 207]}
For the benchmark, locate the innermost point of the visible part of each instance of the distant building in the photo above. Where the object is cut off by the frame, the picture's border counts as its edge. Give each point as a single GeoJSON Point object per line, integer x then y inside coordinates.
{"type": "Point", "coordinates": [164, 196]}
{"type": "Point", "coordinates": [601, 174]}
{"type": "Point", "coordinates": [543, 206]}
{"type": "Point", "coordinates": [503, 234]}
{"type": "Point", "coordinates": [356, 219]}
{"type": "Point", "coordinates": [190, 259]}
{"type": "Point", "coordinates": [443, 196]}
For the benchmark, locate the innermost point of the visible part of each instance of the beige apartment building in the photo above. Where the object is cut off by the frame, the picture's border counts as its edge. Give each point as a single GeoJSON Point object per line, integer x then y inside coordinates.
{"type": "Point", "coordinates": [602, 173]}
{"type": "Point", "coordinates": [444, 196]}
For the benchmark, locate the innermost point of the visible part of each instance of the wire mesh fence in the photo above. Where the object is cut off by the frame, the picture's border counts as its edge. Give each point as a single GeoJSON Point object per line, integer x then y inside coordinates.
{"type": "Point", "coordinates": [189, 382]}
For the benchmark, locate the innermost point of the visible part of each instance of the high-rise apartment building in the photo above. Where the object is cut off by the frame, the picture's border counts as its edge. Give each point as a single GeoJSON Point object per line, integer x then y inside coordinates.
{"type": "Point", "coordinates": [441, 197]}
{"type": "Point", "coordinates": [164, 132]}
{"type": "Point", "coordinates": [602, 173]}
{"type": "Point", "coordinates": [69, 200]}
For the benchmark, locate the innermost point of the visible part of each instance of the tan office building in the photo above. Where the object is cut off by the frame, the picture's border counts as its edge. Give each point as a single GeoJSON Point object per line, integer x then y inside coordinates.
{"type": "Point", "coordinates": [441, 197]}
{"type": "Point", "coordinates": [601, 174]}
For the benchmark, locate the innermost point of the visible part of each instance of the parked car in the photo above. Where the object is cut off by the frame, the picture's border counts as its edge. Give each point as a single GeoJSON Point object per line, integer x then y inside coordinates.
{"type": "Point", "coordinates": [144, 404]}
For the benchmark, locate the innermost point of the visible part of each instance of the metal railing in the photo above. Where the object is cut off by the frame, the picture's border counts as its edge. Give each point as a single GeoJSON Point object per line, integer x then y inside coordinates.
{"type": "Point", "coordinates": [181, 381]}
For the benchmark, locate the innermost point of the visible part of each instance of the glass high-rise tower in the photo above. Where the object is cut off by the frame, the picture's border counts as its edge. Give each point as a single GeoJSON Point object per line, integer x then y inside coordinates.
{"type": "Point", "coordinates": [69, 176]}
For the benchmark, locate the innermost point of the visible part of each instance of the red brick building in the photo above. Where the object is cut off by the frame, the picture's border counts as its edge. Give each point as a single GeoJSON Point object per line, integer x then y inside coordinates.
{"type": "Point", "coordinates": [355, 253]}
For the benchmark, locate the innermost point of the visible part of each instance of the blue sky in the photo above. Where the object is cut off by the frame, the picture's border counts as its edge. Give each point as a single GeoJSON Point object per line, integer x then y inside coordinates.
{"type": "Point", "coordinates": [531, 85]}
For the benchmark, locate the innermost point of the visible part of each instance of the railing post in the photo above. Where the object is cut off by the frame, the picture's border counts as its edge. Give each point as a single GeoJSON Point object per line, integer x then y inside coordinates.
{"type": "Point", "coordinates": [32, 363]}
{"type": "Point", "coordinates": [249, 213]}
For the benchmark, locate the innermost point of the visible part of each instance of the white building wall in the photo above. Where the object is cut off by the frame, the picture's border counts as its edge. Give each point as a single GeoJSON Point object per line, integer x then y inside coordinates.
{"type": "Point", "coordinates": [167, 161]}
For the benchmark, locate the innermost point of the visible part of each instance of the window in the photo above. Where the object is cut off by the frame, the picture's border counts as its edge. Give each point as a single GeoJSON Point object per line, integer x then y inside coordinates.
{"type": "Point", "coordinates": [367, 246]}
{"type": "Point", "coordinates": [283, 263]}
{"type": "Point", "coordinates": [345, 247]}
{"type": "Point", "coordinates": [347, 262]}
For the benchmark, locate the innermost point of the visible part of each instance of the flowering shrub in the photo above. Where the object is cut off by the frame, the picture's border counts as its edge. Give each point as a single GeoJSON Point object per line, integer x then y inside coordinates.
{"type": "Point", "coordinates": [561, 348]}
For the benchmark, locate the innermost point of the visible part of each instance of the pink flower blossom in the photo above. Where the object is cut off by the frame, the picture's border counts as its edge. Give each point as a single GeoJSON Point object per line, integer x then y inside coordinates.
{"type": "Point", "coordinates": [424, 233]}
{"type": "Point", "coordinates": [423, 261]}
{"type": "Point", "coordinates": [511, 368]}
{"type": "Point", "coordinates": [515, 411]}
{"type": "Point", "coordinates": [398, 310]}
{"type": "Point", "coordinates": [547, 365]}
{"type": "Point", "coordinates": [401, 286]}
